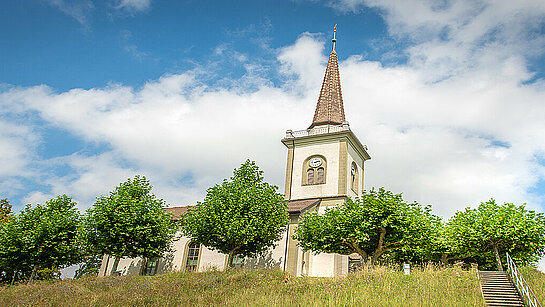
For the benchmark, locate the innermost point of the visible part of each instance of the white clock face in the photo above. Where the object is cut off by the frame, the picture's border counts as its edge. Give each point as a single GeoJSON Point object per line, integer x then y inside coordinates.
{"type": "Point", "coordinates": [315, 162]}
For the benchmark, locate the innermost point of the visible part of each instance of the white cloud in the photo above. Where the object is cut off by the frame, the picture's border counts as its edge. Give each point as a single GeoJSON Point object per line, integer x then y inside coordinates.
{"type": "Point", "coordinates": [133, 5]}
{"type": "Point", "coordinates": [78, 9]}
{"type": "Point", "coordinates": [15, 151]}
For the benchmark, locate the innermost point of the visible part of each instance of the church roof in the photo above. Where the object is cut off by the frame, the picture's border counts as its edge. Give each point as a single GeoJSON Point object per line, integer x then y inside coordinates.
{"type": "Point", "coordinates": [177, 212]}
{"type": "Point", "coordinates": [330, 109]}
{"type": "Point", "coordinates": [294, 206]}
{"type": "Point", "coordinates": [297, 206]}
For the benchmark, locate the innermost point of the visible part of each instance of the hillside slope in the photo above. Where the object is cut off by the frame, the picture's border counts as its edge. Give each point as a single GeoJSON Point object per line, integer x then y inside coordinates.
{"type": "Point", "coordinates": [378, 287]}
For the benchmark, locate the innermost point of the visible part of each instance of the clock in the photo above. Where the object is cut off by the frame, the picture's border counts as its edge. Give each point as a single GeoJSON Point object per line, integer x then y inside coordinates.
{"type": "Point", "coordinates": [315, 162]}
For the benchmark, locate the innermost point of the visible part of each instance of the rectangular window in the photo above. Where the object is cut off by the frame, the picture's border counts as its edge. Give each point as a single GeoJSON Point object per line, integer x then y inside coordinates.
{"type": "Point", "coordinates": [238, 261]}
{"type": "Point", "coordinates": [192, 257]}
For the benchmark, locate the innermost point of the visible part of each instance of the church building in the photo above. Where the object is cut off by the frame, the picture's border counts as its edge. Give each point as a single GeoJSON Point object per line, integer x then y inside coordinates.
{"type": "Point", "coordinates": [325, 165]}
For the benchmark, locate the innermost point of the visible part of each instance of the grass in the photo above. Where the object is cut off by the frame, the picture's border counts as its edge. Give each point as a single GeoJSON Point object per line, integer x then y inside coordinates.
{"type": "Point", "coordinates": [381, 286]}
{"type": "Point", "coordinates": [536, 281]}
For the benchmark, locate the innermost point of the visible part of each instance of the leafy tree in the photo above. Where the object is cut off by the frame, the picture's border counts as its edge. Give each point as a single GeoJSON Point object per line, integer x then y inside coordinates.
{"type": "Point", "coordinates": [130, 222]}
{"type": "Point", "coordinates": [41, 239]}
{"type": "Point", "coordinates": [14, 262]}
{"type": "Point", "coordinates": [5, 210]}
{"type": "Point", "coordinates": [89, 266]}
{"type": "Point", "coordinates": [241, 216]}
{"type": "Point", "coordinates": [484, 234]}
{"type": "Point", "coordinates": [376, 223]}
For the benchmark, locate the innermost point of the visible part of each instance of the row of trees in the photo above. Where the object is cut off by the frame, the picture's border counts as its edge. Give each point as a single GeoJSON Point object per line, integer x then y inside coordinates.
{"type": "Point", "coordinates": [245, 216]}
{"type": "Point", "coordinates": [379, 225]}
{"type": "Point", "coordinates": [43, 239]}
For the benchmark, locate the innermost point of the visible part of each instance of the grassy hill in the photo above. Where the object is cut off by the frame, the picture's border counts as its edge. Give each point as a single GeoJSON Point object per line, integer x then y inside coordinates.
{"type": "Point", "coordinates": [378, 287]}
{"type": "Point", "coordinates": [536, 281]}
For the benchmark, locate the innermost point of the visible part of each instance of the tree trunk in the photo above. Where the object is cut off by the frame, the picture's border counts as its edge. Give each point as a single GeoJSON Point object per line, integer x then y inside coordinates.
{"type": "Point", "coordinates": [13, 277]}
{"type": "Point", "coordinates": [444, 258]}
{"type": "Point", "coordinates": [32, 274]}
{"type": "Point", "coordinates": [114, 267]}
{"type": "Point", "coordinates": [144, 265]}
{"type": "Point", "coordinates": [498, 259]}
{"type": "Point", "coordinates": [230, 259]}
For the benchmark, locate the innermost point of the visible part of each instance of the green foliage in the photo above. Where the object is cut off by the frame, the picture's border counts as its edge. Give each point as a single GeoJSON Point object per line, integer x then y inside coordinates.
{"type": "Point", "coordinates": [484, 234]}
{"type": "Point", "coordinates": [376, 223]}
{"type": "Point", "coordinates": [241, 216]}
{"type": "Point", "coordinates": [5, 210]}
{"type": "Point", "coordinates": [130, 222]}
{"type": "Point", "coordinates": [40, 240]}
{"type": "Point", "coordinates": [89, 266]}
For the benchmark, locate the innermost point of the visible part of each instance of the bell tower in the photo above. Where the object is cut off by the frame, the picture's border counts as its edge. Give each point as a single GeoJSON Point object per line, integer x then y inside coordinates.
{"type": "Point", "coordinates": [325, 165]}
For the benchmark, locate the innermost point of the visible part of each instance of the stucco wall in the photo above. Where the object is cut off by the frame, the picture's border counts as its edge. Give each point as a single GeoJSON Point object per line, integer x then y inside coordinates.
{"type": "Point", "coordinates": [331, 153]}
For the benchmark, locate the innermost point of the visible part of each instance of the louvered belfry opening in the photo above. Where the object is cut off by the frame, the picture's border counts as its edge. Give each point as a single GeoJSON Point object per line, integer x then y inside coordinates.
{"type": "Point", "coordinates": [330, 109]}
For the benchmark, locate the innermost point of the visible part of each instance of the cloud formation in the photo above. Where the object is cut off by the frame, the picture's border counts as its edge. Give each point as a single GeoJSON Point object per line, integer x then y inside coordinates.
{"type": "Point", "coordinates": [133, 5]}
{"type": "Point", "coordinates": [77, 9]}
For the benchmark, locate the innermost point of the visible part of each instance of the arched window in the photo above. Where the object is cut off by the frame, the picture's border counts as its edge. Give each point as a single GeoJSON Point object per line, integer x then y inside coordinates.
{"type": "Point", "coordinates": [354, 177]}
{"type": "Point", "coordinates": [310, 176]}
{"type": "Point", "coordinates": [314, 170]}
{"type": "Point", "coordinates": [192, 256]}
{"type": "Point", "coordinates": [321, 175]}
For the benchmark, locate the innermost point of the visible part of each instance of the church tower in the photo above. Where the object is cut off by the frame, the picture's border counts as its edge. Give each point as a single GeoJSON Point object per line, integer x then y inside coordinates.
{"type": "Point", "coordinates": [325, 165]}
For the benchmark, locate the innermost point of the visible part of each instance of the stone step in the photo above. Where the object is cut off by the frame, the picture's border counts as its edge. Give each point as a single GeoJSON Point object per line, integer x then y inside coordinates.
{"type": "Point", "coordinates": [498, 290]}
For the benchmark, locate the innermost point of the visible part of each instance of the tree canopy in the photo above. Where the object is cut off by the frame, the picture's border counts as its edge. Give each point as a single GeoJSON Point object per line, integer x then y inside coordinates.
{"type": "Point", "coordinates": [376, 223]}
{"type": "Point", "coordinates": [484, 234]}
{"type": "Point", "coordinates": [41, 238]}
{"type": "Point", "coordinates": [130, 222]}
{"type": "Point", "coordinates": [241, 216]}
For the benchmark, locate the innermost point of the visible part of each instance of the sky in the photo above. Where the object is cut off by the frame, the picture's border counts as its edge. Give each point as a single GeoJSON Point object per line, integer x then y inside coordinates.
{"type": "Point", "coordinates": [449, 96]}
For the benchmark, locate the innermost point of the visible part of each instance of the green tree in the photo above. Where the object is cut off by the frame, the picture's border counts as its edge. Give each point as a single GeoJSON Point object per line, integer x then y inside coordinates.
{"type": "Point", "coordinates": [5, 210]}
{"type": "Point", "coordinates": [376, 223]}
{"type": "Point", "coordinates": [241, 216]}
{"type": "Point", "coordinates": [130, 222]}
{"type": "Point", "coordinates": [41, 239]}
{"type": "Point", "coordinates": [486, 233]}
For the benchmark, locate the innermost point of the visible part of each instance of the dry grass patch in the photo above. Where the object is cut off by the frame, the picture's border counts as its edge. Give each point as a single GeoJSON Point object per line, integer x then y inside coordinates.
{"type": "Point", "coordinates": [536, 281]}
{"type": "Point", "coordinates": [380, 286]}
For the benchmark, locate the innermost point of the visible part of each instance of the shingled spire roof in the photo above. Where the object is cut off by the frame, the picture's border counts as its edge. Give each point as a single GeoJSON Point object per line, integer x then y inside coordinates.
{"type": "Point", "coordinates": [330, 109]}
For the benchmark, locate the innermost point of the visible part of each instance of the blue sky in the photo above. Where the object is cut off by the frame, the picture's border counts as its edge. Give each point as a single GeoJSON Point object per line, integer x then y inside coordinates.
{"type": "Point", "coordinates": [448, 95]}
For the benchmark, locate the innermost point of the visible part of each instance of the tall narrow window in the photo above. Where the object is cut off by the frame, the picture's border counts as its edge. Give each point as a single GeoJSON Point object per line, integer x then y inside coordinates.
{"type": "Point", "coordinates": [310, 176]}
{"type": "Point", "coordinates": [151, 267]}
{"type": "Point", "coordinates": [354, 177]}
{"type": "Point", "coordinates": [314, 170]}
{"type": "Point", "coordinates": [321, 177]}
{"type": "Point", "coordinates": [192, 256]}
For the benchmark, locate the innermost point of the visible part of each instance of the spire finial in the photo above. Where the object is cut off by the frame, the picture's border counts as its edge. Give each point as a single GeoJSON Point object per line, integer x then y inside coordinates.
{"type": "Point", "coordinates": [334, 40]}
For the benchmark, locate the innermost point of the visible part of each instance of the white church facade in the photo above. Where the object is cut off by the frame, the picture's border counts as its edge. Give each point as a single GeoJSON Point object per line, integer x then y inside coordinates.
{"type": "Point", "coordinates": [325, 165]}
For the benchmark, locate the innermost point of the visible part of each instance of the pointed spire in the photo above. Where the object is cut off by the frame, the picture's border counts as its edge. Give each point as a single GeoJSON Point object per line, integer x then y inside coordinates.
{"type": "Point", "coordinates": [334, 40]}
{"type": "Point", "coordinates": [330, 109]}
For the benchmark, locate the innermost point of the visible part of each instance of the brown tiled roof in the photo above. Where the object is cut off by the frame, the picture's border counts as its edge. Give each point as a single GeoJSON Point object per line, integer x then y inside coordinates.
{"type": "Point", "coordinates": [330, 109]}
{"type": "Point", "coordinates": [177, 212]}
{"type": "Point", "coordinates": [296, 206]}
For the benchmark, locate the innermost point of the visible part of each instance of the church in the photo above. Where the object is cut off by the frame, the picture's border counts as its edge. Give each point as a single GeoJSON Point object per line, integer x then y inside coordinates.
{"type": "Point", "coordinates": [325, 165]}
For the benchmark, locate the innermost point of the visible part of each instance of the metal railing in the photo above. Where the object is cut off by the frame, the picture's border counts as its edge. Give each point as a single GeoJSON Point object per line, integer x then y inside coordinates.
{"type": "Point", "coordinates": [290, 134]}
{"type": "Point", "coordinates": [527, 295]}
